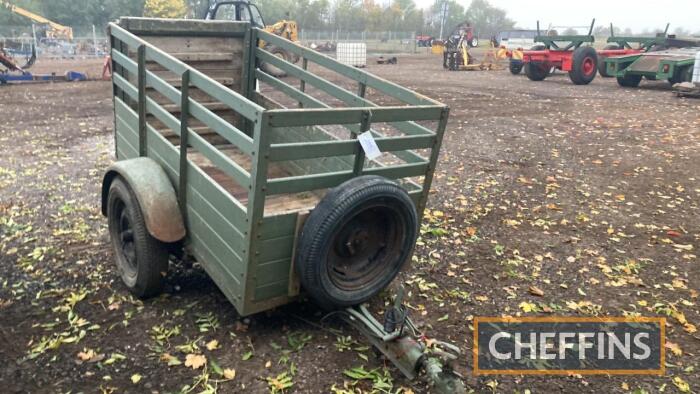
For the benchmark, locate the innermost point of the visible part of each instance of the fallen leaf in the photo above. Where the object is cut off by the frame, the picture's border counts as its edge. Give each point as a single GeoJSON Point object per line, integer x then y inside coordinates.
{"type": "Point", "coordinates": [135, 378]}
{"type": "Point", "coordinates": [195, 361]}
{"type": "Point", "coordinates": [86, 355]}
{"type": "Point", "coordinates": [675, 349]}
{"type": "Point", "coordinates": [534, 290]}
{"type": "Point", "coordinates": [527, 306]}
{"type": "Point", "coordinates": [682, 385]}
{"type": "Point", "coordinates": [212, 345]}
{"type": "Point", "coordinates": [229, 373]}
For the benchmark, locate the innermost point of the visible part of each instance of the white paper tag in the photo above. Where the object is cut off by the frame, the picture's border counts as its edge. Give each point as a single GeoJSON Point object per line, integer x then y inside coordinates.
{"type": "Point", "coordinates": [369, 145]}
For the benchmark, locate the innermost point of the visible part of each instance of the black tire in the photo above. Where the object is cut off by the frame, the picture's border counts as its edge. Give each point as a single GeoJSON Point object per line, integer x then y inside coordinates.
{"type": "Point", "coordinates": [474, 42]}
{"type": "Point", "coordinates": [355, 242]}
{"type": "Point", "coordinates": [601, 61]}
{"type": "Point", "coordinates": [272, 70]}
{"type": "Point", "coordinates": [584, 65]}
{"type": "Point", "coordinates": [536, 71]}
{"type": "Point", "coordinates": [629, 81]}
{"type": "Point", "coordinates": [515, 67]}
{"type": "Point", "coordinates": [142, 260]}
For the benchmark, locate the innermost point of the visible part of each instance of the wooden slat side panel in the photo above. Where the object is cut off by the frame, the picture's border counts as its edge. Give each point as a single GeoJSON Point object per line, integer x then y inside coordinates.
{"type": "Point", "coordinates": [225, 205]}
{"type": "Point", "coordinates": [275, 251]}
{"type": "Point", "coordinates": [171, 27]}
{"type": "Point", "coordinates": [126, 142]}
{"type": "Point", "coordinates": [311, 166]}
{"type": "Point", "coordinates": [192, 44]}
{"type": "Point", "coordinates": [271, 290]}
{"type": "Point", "coordinates": [126, 135]}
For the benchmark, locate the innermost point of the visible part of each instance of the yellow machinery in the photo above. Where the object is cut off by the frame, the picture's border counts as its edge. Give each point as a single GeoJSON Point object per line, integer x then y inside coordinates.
{"type": "Point", "coordinates": [457, 57]}
{"type": "Point", "coordinates": [285, 29]}
{"type": "Point", "coordinates": [243, 10]}
{"type": "Point", "coordinates": [53, 30]}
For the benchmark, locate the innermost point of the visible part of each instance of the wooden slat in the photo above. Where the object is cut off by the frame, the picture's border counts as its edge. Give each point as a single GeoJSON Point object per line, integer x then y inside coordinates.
{"type": "Point", "coordinates": [187, 57]}
{"type": "Point", "coordinates": [168, 27]}
{"type": "Point", "coordinates": [399, 171]}
{"type": "Point", "coordinates": [344, 95]}
{"type": "Point", "coordinates": [309, 150]}
{"type": "Point", "coordinates": [303, 183]}
{"type": "Point", "coordinates": [329, 116]}
{"type": "Point", "coordinates": [386, 87]}
{"type": "Point", "coordinates": [220, 160]}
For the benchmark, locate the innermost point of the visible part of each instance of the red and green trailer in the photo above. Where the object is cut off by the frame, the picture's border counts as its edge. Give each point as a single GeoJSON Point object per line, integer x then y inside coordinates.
{"type": "Point", "coordinates": [575, 54]}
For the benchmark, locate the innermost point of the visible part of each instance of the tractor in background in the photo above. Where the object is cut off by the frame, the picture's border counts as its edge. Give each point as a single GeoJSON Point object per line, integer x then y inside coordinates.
{"type": "Point", "coordinates": [243, 10]}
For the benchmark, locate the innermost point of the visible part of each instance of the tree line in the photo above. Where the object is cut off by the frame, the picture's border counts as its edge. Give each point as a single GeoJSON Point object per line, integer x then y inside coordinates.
{"type": "Point", "coordinates": [343, 15]}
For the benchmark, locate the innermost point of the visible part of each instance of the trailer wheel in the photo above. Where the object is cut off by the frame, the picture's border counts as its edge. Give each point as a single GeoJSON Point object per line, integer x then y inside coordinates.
{"type": "Point", "coordinates": [356, 241]}
{"type": "Point", "coordinates": [142, 260]}
{"type": "Point", "coordinates": [536, 71]}
{"type": "Point", "coordinates": [601, 61]}
{"type": "Point", "coordinates": [584, 67]}
{"type": "Point", "coordinates": [515, 67]}
{"type": "Point", "coordinates": [629, 81]}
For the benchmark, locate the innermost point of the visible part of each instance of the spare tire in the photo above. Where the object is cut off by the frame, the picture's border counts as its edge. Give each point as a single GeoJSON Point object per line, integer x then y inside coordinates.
{"type": "Point", "coordinates": [355, 242]}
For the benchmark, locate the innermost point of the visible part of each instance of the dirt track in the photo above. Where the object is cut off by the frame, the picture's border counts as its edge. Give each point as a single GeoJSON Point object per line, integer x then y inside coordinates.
{"type": "Point", "coordinates": [550, 199]}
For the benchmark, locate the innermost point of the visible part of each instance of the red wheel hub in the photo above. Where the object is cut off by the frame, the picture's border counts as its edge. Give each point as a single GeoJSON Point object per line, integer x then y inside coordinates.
{"type": "Point", "coordinates": [589, 66]}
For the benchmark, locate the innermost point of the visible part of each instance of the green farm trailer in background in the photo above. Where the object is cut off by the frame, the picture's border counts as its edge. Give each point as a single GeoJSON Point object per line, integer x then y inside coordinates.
{"type": "Point", "coordinates": [265, 183]}
{"type": "Point", "coordinates": [673, 65]}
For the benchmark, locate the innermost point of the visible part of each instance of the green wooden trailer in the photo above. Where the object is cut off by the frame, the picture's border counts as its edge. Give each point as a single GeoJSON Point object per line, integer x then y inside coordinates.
{"type": "Point", "coordinates": [265, 181]}
{"type": "Point", "coordinates": [673, 65]}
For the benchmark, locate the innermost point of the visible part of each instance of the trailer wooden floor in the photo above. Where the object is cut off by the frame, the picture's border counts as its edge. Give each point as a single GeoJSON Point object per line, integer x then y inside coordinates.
{"type": "Point", "coordinates": [274, 205]}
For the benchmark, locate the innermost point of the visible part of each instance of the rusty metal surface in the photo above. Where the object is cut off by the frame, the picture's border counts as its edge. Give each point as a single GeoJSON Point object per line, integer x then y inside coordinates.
{"type": "Point", "coordinates": [155, 194]}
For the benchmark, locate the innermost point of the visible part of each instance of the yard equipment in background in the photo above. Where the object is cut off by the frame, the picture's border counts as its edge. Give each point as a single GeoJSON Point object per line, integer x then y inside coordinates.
{"type": "Point", "coordinates": [641, 44]}
{"type": "Point", "coordinates": [512, 45]}
{"type": "Point", "coordinates": [457, 55]}
{"type": "Point", "coordinates": [673, 65]}
{"type": "Point", "coordinates": [571, 53]}
{"type": "Point", "coordinates": [243, 10]}
{"type": "Point", "coordinates": [270, 190]}
{"type": "Point", "coordinates": [11, 72]}
{"type": "Point", "coordinates": [27, 77]}
{"type": "Point", "coordinates": [10, 64]}
{"type": "Point", "coordinates": [424, 41]}
{"type": "Point", "coordinates": [390, 60]}
{"type": "Point", "coordinates": [49, 29]}
{"type": "Point", "coordinates": [692, 88]}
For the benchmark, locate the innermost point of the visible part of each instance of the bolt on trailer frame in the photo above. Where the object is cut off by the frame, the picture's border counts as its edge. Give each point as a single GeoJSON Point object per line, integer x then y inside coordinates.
{"type": "Point", "coordinates": [246, 156]}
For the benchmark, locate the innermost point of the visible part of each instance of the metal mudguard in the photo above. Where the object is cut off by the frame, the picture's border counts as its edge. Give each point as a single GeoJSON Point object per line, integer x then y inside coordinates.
{"type": "Point", "coordinates": [155, 194]}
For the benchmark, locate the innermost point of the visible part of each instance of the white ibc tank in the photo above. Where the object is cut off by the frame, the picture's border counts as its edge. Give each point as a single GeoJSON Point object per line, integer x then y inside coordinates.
{"type": "Point", "coordinates": [352, 53]}
{"type": "Point", "coordinates": [696, 69]}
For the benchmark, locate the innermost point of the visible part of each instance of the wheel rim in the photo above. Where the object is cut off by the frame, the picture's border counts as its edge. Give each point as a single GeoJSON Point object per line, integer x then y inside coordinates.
{"type": "Point", "coordinates": [589, 66]}
{"type": "Point", "coordinates": [366, 247]}
{"type": "Point", "coordinates": [125, 234]}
